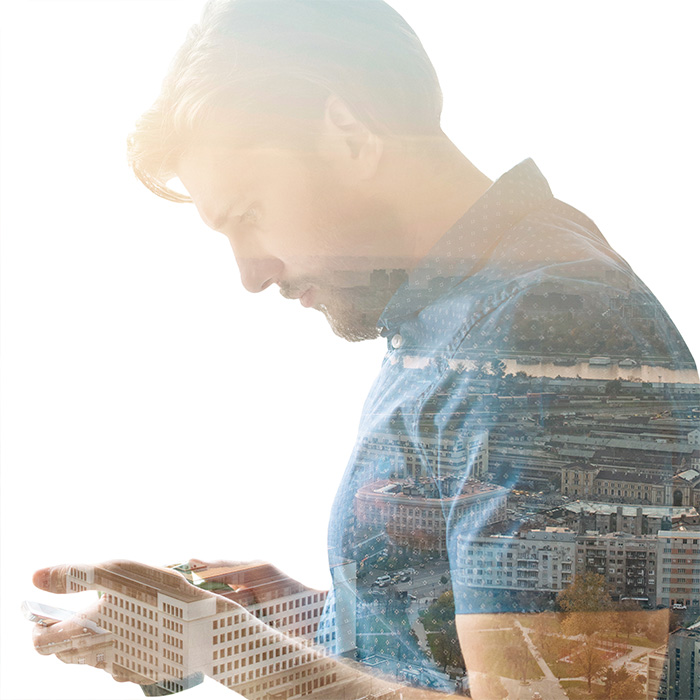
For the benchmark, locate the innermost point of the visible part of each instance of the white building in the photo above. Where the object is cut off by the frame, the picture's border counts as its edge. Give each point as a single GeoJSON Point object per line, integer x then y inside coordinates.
{"type": "Point", "coordinates": [412, 519]}
{"type": "Point", "coordinates": [169, 635]}
{"type": "Point", "coordinates": [678, 557]}
{"type": "Point", "coordinates": [465, 455]}
{"type": "Point", "coordinates": [538, 560]}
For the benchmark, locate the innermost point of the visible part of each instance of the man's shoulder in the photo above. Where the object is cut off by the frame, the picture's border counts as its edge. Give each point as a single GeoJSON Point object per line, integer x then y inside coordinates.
{"type": "Point", "coordinates": [553, 290]}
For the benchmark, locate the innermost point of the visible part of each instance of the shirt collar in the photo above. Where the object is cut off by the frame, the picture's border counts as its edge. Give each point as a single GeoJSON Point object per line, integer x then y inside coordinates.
{"type": "Point", "coordinates": [466, 247]}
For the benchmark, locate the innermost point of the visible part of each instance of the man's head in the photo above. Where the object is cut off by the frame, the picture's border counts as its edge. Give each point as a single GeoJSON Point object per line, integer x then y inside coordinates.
{"type": "Point", "coordinates": [274, 115]}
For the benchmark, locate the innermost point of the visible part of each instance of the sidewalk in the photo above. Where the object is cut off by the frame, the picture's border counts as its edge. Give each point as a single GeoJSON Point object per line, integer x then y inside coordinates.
{"type": "Point", "coordinates": [549, 687]}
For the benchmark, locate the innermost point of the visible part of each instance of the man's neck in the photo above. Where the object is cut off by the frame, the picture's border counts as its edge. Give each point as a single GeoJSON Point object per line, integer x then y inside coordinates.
{"type": "Point", "coordinates": [430, 187]}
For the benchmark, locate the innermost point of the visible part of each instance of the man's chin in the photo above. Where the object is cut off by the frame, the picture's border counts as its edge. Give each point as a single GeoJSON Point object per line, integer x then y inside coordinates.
{"type": "Point", "coordinates": [351, 328]}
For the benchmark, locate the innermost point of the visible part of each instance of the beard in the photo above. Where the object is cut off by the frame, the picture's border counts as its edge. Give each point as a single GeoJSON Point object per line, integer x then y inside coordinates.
{"type": "Point", "coordinates": [353, 312]}
{"type": "Point", "coordinates": [348, 321]}
{"type": "Point", "coordinates": [356, 283]}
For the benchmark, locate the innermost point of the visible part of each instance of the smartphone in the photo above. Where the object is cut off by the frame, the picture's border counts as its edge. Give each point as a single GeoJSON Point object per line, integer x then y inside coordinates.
{"type": "Point", "coordinates": [44, 615]}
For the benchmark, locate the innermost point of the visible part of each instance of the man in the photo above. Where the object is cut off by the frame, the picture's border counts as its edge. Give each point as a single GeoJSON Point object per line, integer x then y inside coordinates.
{"type": "Point", "coordinates": [308, 134]}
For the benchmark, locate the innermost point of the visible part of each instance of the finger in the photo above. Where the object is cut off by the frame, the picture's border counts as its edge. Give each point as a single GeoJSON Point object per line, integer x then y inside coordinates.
{"type": "Point", "coordinates": [52, 579]}
{"type": "Point", "coordinates": [59, 637]}
{"type": "Point", "coordinates": [48, 640]}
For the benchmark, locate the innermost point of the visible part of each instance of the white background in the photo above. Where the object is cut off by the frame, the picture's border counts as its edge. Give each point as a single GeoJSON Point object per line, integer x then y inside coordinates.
{"type": "Point", "coordinates": [155, 411]}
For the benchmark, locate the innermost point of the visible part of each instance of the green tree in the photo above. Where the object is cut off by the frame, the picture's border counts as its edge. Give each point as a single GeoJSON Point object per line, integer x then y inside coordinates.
{"type": "Point", "coordinates": [439, 623]}
{"type": "Point", "coordinates": [444, 647]}
{"type": "Point", "coordinates": [498, 368]}
{"type": "Point", "coordinates": [613, 387]}
{"type": "Point", "coordinates": [621, 685]}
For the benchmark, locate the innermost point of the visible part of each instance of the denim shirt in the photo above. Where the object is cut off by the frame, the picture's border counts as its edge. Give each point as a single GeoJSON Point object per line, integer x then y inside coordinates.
{"type": "Point", "coordinates": [523, 288]}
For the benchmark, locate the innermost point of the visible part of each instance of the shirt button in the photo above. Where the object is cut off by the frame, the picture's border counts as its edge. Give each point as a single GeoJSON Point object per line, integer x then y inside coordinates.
{"type": "Point", "coordinates": [396, 341]}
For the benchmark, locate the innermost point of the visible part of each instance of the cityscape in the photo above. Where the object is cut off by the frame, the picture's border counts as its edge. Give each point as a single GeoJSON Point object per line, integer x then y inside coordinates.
{"type": "Point", "coordinates": [543, 500]}
{"type": "Point", "coordinates": [606, 494]}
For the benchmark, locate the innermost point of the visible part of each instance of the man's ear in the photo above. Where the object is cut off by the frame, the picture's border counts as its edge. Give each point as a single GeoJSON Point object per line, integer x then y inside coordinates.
{"type": "Point", "coordinates": [354, 142]}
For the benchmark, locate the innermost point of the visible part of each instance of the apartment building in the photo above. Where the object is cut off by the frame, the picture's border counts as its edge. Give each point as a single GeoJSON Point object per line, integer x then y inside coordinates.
{"type": "Point", "coordinates": [678, 554]}
{"type": "Point", "coordinates": [628, 563]}
{"type": "Point", "coordinates": [656, 674]}
{"type": "Point", "coordinates": [537, 560]}
{"type": "Point", "coordinates": [683, 673]}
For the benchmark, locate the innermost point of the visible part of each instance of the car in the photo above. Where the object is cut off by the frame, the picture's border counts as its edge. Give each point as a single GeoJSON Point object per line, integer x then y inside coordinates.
{"type": "Point", "coordinates": [679, 606]}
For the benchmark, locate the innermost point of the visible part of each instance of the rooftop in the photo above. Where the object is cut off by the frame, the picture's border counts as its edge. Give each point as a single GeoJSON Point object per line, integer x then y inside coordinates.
{"type": "Point", "coordinates": [408, 489]}
{"type": "Point", "coordinates": [629, 511]}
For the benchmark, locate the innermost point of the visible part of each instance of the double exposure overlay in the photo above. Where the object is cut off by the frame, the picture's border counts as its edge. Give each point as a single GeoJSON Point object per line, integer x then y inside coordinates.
{"type": "Point", "coordinates": [519, 515]}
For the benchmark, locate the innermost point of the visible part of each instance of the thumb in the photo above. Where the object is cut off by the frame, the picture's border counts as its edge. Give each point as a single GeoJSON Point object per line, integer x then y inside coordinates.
{"type": "Point", "coordinates": [54, 579]}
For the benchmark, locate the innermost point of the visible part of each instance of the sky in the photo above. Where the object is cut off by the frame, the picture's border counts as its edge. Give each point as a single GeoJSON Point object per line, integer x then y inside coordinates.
{"type": "Point", "coordinates": [154, 410]}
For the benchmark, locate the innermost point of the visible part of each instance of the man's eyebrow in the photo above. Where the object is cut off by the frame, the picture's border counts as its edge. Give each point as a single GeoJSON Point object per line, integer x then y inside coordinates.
{"type": "Point", "coordinates": [222, 216]}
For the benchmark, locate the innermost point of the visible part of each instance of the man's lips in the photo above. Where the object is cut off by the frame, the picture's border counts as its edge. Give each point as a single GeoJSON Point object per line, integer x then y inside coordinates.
{"type": "Point", "coordinates": [305, 297]}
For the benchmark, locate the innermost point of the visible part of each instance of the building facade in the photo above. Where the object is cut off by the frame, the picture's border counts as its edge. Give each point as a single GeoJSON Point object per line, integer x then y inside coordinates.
{"type": "Point", "coordinates": [678, 582]}
{"type": "Point", "coordinates": [156, 634]}
{"type": "Point", "coordinates": [387, 454]}
{"type": "Point", "coordinates": [412, 513]}
{"type": "Point", "coordinates": [628, 563]}
{"type": "Point", "coordinates": [683, 671]}
{"type": "Point", "coordinates": [537, 560]}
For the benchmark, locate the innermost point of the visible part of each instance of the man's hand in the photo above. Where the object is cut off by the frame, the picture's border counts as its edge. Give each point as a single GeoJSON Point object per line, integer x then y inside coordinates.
{"type": "Point", "coordinates": [120, 633]}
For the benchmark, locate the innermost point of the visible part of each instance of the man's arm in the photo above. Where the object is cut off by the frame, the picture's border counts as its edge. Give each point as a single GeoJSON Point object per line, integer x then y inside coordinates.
{"type": "Point", "coordinates": [151, 626]}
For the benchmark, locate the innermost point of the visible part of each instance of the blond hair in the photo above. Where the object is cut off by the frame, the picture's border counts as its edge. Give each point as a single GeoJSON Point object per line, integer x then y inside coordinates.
{"type": "Point", "coordinates": [270, 65]}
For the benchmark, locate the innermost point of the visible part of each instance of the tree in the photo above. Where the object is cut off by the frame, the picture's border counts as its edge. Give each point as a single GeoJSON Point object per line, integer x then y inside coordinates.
{"type": "Point", "coordinates": [613, 387]}
{"type": "Point", "coordinates": [439, 623]}
{"type": "Point", "coordinates": [585, 604]}
{"type": "Point", "coordinates": [518, 653]}
{"type": "Point", "coordinates": [498, 368]}
{"type": "Point", "coordinates": [629, 617]}
{"type": "Point", "coordinates": [621, 685]}
{"type": "Point", "coordinates": [589, 660]}
{"type": "Point", "coordinates": [541, 634]}
{"type": "Point", "coordinates": [444, 647]}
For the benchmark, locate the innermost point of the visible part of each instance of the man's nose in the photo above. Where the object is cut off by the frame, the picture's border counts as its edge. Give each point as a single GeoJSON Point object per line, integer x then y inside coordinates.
{"type": "Point", "coordinates": [258, 273]}
{"type": "Point", "coordinates": [258, 269]}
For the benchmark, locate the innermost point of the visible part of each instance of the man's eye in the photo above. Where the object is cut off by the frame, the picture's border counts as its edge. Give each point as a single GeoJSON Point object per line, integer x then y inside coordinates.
{"type": "Point", "coordinates": [250, 216]}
